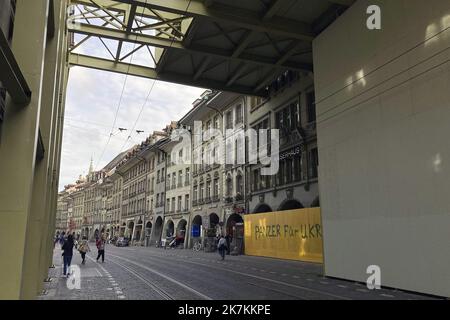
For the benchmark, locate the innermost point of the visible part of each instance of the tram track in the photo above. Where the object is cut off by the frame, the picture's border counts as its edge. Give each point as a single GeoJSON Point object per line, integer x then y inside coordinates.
{"type": "Point", "coordinates": [161, 275]}
{"type": "Point", "coordinates": [273, 281]}
{"type": "Point", "coordinates": [138, 275]}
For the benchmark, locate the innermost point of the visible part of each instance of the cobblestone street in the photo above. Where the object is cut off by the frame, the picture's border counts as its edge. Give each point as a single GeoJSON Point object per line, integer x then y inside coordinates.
{"type": "Point", "coordinates": [137, 273]}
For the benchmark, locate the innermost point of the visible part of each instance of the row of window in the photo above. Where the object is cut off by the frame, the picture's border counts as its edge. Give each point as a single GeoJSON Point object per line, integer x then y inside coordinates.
{"type": "Point", "coordinates": [141, 168]}
{"type": "Point", "coordinates": [135, 188]}
{"type": "Point", "coordinates": [172, 181]}
{"type": "Point", "coordinates": [290, 170]}
{"type": "Point", "coordinates": [289, 118]}
{"type": "Point", "coordinates": [176, 204]}
{"type": "Point", "coordinates": [239, 183]}
{"type": "Point", "coordinates": [238, 117]}
{"type": "Point", "coordinates": [207, 191]}
{"type": "Point", "coordinates": [135, 207]}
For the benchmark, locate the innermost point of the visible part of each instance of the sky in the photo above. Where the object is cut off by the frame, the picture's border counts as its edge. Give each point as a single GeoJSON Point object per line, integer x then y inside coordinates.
{"type": "Point", "coordinates": [92, 100]}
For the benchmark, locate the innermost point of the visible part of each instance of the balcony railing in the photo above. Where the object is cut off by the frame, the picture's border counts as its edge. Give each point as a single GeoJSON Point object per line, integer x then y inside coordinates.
{"type": "Point", "coordinates": [194, 203]}
{"type": "Point", "coordinates": [207, 200]}
{"type": "Point", "coordinates": [215, 199]}
{"type": "Point", "coordinates": [180, 185]}
{"type": "Point", "coordinates": [187, 183]}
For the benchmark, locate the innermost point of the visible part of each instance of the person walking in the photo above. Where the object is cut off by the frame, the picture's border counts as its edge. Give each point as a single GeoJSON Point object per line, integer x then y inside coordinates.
{"type": "Point", "coordinates": [84, 248]}
{"type": "Point", "coordinates": [67, 254]}
{"type": "Point", "coordinates": [101, 248]}
{"type": "Point", "coordinates": [228, 238]}
{"type": "Point", "coordinates": [222, 245]}
{"type": "Point", "coordinates": [62, 238]}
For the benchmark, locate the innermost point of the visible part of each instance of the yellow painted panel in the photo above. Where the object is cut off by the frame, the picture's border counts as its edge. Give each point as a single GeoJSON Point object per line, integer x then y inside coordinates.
{"type": "Point", "coordinates": [291, 234]}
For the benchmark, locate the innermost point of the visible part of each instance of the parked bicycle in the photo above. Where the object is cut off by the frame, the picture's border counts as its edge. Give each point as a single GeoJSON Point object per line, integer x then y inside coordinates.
{"type": "Point", "coordinates": [197, 246]}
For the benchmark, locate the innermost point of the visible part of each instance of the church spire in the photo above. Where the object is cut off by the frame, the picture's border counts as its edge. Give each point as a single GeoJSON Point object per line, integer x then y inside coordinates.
{"type": "Point", "coordinates": [91, 166]}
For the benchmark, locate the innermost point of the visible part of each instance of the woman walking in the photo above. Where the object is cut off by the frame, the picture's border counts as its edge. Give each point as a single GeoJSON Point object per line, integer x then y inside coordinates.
{"type": "Point", "coordinates": [67, 254]}
{"type": "Point", "coordinates": [84, 248]}
{"type": "Point", "coordinates": [101, 248]}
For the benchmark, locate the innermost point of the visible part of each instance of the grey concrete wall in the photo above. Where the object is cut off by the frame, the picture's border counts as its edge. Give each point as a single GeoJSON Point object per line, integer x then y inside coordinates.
{"type": "Point", "coordinates": [384, 150]}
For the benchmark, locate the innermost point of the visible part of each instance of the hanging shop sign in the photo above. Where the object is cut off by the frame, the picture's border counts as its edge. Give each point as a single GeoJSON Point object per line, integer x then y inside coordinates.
{"type": "Point", "coordinates": [291, 234]}
{"type": "Point", "coordinates": [292, 153]}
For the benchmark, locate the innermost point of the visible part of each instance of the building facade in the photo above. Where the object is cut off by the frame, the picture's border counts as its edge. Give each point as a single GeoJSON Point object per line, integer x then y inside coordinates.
{"type": "Point", "coordinates": [290, 109]}
{"type": "Point", "coordinates": [178, 202]}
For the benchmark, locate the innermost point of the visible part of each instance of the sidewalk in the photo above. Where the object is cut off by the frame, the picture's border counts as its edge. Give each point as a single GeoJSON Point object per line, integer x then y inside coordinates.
{"type": "Point", "coordinates": [94, 281]}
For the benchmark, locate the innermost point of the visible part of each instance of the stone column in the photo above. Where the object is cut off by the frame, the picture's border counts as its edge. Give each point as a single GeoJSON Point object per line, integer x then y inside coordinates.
{"type": "Point", "coordinates": [38, 225]}
{"type": "Point", "coordinates": [18, 154]}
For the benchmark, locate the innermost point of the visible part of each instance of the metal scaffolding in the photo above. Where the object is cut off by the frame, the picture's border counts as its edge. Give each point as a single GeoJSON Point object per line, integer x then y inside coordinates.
{"type": "Point", "coordinates": [223, 45]}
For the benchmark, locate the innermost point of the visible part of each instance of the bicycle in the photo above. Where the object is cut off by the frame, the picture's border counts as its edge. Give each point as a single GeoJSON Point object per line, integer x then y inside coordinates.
{"type": "Point", "coordinates": [197, 246]}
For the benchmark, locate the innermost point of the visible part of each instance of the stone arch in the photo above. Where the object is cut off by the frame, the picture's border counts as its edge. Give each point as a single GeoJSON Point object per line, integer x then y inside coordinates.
{"type": "Point", "coordinates": [169, 229]}
{"type": "Point", "coordinates": [262, 208]}
{"type": "Point", "coordinates": [316, 203]}
{"type": "Point", "coordinates": [290, 204]}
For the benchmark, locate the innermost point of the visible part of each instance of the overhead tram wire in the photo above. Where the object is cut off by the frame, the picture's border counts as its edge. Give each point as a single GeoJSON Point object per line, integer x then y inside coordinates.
{"type": "Point", "coordinates": [121, 95]}
{"type": "Point", "coordinates": [150, 91]}
{"type": "Point", "coordinates": [98, 124]}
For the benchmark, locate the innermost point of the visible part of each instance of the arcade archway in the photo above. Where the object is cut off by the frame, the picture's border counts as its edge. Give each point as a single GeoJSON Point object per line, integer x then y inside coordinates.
{"type": "Point", "coordinates": [290, 205]}
{"type": "Point", "coordinates": [169, 229]}
{"type": "Point", "coordinates": [262, 208]}
{"type": "Point", "coordinates": [157, 231]}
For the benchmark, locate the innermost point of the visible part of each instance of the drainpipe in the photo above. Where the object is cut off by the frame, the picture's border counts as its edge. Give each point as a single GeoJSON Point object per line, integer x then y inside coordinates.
{"type": "Point", "coordinates": [302, 133]}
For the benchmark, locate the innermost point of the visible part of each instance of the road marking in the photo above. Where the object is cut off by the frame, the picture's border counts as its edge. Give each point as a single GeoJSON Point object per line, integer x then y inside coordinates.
{"type": "Point", "coordinates": [113, 283]}
{"type": "Point", "coordinates": [362, 290]}
{"type": "Point", "coordinates": [342, 286]}
{"type": "Point", "coordinates": [278, 291]}
{"type": "Point", "coordinates": [387, 295]}
{"type": "Point", "coordinates": [270, 280]}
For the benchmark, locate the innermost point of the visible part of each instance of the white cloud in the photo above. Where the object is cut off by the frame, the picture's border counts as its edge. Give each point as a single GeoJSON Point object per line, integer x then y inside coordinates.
{"type": "Point", "coordinates": [92, 100]}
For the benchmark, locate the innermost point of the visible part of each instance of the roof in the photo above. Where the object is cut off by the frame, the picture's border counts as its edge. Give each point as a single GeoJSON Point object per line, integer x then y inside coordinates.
{"type": "Point", "coordinates": [225, 45]}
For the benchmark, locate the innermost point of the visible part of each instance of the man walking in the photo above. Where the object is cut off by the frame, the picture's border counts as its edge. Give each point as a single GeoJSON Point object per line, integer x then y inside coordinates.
{"type": "Point", "coordinates": [222, 245]}
{"type": "Point", "coordinates": [67, 254]}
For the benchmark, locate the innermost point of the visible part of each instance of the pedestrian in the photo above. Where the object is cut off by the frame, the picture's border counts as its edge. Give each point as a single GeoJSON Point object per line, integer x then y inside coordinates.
{"type": "Point", "coordinates": [101, 248]}
{"type": "Point", "coordinates": [56, 240]}
{"type": "Point", "coordinates": [67, 254]}
{"type": "Point", "coordinates": [229, 239]}
{"type": "Point", "coordinates": [62, 238]}
{"type": "Point", "coordinates": [84, 248]}
{"type": "Point", "coordinates": [222, 245]}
